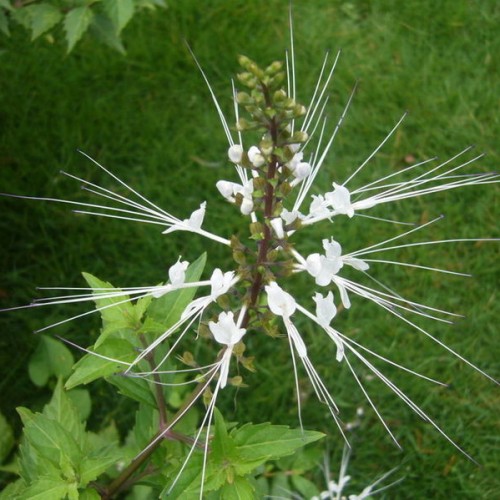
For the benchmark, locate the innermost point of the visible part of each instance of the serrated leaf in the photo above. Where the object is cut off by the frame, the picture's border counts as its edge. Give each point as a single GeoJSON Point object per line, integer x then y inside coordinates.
{"type": "Point", "coordinates": [6, 438]}
{"type": "Point", "coordinates": [240, 489]}
{"type": "Point", "coordinates": [49, 438]}
{"type": "Point", "coordinates": [117, 313]}
{"type": "Point", "coordinates": [135, 388]}
{"type": "Point", "coordinates": [76, 23]}
{"type": "Point", "coordinates": [102, 28]}
{"type": "Point", "coordinates": [47, 488]}
{"type": "Point", "coordinates": [92, 466]}
{"type": "Point", "coordinates": [13, 490]}
{"type": "Point", "coordinates": [62, 410]}
{"type": "Point", "coordinates": [92, 367]}
{"type": "Point", "coordinates": [51, 358]}
{"type": "Point", "coordinates": [167, 309]}
{"type": "Point", "coordinates": [266, 441]}
{"type": "Point", "coordinates": [222, 446]}
{"type": "Point", "coordinates": [44, 16]}
{"type": "Point", "coordinates": [120, 12]}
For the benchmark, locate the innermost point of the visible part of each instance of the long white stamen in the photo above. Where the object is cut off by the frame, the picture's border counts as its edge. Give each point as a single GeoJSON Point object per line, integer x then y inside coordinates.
{"type": "Point", "coordinates": [376, 150]}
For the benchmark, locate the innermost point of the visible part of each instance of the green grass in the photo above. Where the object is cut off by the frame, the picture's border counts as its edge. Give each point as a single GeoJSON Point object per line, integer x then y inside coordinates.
{"type": "Point", "coordinates": [149, 119]}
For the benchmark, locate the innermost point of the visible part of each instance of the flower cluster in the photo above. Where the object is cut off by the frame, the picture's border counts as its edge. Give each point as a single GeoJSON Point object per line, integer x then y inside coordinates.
{"type": "Point", "coordinates": [289, 145]}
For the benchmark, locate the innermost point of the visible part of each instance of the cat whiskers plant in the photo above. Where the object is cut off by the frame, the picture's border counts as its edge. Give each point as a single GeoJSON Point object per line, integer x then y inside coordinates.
{"type": "Point", "coordinates": [145, 327]}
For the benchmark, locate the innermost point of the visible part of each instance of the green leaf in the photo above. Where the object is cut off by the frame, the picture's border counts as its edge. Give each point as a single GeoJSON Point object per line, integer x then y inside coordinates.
{"type": "Point", "coordinates": [222, 446]}
{"type": "Point", "coordinates": [62, 410]}
{"type": "Point", "coordinates": [105, 437]}
{"type": "Point", "coordinates": [13, 490]}
{"type": "Point", "coordinates": [6, 438]}
{"type": "Point", "coordinates": [92, 466]}
{"type": "Point", "coordinates": [240, 489]}
{"type": "Point", "coordinates": [44, 16]}
{"type": "Point", "coordinates": [22, 16]}
{"type": "Point", "coordinates": [146, 425]}
{"type": "Point", "coordinates": [150, 4]}
{"type": "Point", "coordinates": [117, 313]}
{"type": "Point", "coordinates": [47, 488]}
{"type": "Point", "coordinates": [6, 5]}
{"type": "Point", "coordinates": [50, 439]}
{"type": "Point", "coordinates": [120, 12]}
{"type": "Point", "coordinates": [92, 367]}
{"type": "Point", "coordinates": [51, 357]}
{"type": "Point", "coordinates": [269, 442]}
{"type": "Point", "coordinates": [76, 23]}
{"type": "Point", "coordinates": [4, 23]}
{"type": "Point", "coordinates": [167, 309]}
{"type": "Point", "coordinates": [82, 402]}
{"type": "Point", "coordinates": [89, 494]}
{"type": "Point", "coordinates": [102, 28]}
{"type": "Point", "coordinates": [135, 388]}
{"type": "Point", "coordinates": [305, 487]}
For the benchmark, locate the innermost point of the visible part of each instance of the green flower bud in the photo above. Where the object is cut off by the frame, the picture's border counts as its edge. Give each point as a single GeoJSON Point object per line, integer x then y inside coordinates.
{"type": "Point", "coordinates": [299, 136]}
{"type": "Point", "coordinates": [243, 98]}
{"type": "Point", "coordinates": [274, 67]}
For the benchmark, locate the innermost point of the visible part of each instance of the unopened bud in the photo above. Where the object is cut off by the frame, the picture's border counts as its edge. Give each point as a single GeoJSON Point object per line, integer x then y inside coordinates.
{"type": "Point", "coordinates": [274, 67]}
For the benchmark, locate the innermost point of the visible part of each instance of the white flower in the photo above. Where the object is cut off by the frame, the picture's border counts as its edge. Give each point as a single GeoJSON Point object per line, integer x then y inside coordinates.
{"type": "Point", "coordinates": [325, 308]}
{"type": "Point", "coordinates": [290, 216]}
{"type": "Point", "coordinates": [319, 207]}
{"type": "Point", "coordinates": [325, 267]}
{"type": "Point", "coordinates": [227, 189]}
{"type": "Point", "coordinates": [280, 302]}
{"type": "Point", "coordinates": [235, 153]}
{"type": "Point", "coordinates": [230, 189]}
{"type": "Point", "coordinates": [221, 283]}
{"type": "Point", "coordinates": [177, 273]}
{"type": "Point", "coordinates": [225, 330]}
{"type": "Point", "coordinates": [255, 157]}
{"type": "Point", "coordinates": [192, 224]}
{"type": "Point", "coordinates": [340, 200]}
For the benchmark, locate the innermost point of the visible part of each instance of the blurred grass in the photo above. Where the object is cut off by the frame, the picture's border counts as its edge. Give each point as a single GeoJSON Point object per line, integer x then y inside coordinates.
{"type": "Point", "coordinates": [148, 118]}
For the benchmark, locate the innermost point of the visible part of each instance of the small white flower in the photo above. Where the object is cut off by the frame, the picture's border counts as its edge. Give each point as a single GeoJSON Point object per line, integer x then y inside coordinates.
{"type": "Point", "coordinates": [290, 216]}
{"type": "Point", "coordinates": [229, 333]}
{"type": "Point", "coordinates": [177, 273]}
{"type": "Point", "coordinates": [325, 308]}
{"type": "Point", "coordinates": [280, 302]}
{"type": "Point", "coordinates": [225, 330]}
{"type": "Point", "coordinates": [255, 157]}
{"type": "Point", "coordinates": [319, 207]}
{"type": "Point", "coordinates": [321, 268]}
{"type": "Point", "coordinates": [192, 224]}
{"type": "Point", "coordinates": [340, 200]}
{"type": "Point", "coordinates": [221, 283]}
{"type": "Point", "coordinates": [235, 153]}
{"type": "Point", "coordinates": [227, 189]}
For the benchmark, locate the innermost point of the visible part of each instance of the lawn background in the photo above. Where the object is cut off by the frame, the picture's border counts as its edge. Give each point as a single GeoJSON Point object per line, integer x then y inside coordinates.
{"type": "Point", "coordinates": [149, 119]}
